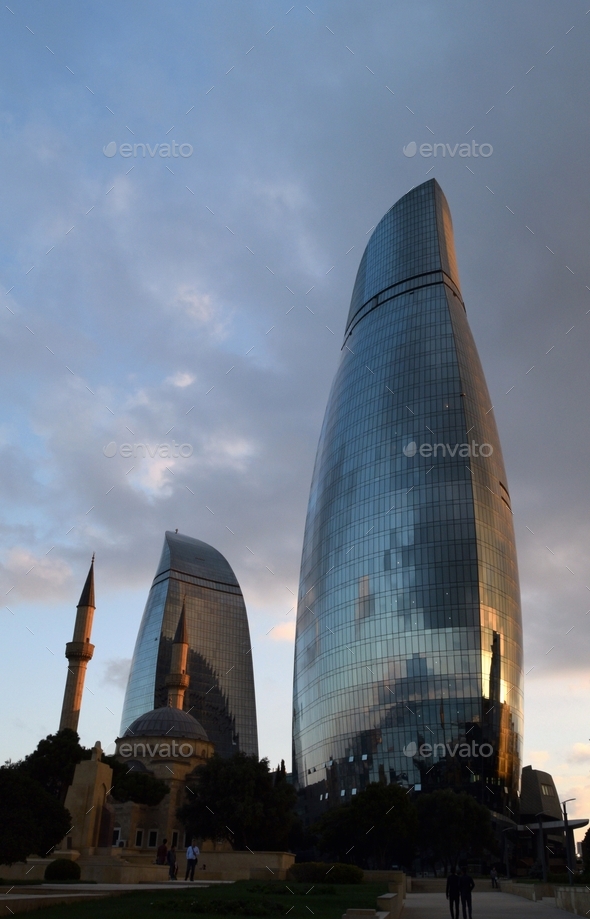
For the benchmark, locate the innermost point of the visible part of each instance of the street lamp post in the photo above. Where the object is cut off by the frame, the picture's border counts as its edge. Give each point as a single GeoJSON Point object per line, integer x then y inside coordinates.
{"type": "Point", "coordinates": [541, 839]}
{"type": "Point", "coordinates": [567, 841]}
{"type": "Point", "coordinates": [507, 852]}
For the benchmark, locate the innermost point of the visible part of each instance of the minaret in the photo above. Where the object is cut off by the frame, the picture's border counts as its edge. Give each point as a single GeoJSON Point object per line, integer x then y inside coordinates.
{"type": "Point", "coordinates": [178, 679]}
{"type": "Point", "coordinates": [78, 652]}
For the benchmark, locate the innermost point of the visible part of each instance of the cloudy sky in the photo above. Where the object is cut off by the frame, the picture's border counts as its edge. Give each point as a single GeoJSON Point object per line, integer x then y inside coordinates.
{"type": "Point", "coordinates": [200, 298]}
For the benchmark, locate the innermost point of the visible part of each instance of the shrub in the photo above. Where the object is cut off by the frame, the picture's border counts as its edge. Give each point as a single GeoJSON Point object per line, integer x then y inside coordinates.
{"type": "Point", "coordinates": [62, 869]}
{"type": "Point", "coordinates": [325, 872]}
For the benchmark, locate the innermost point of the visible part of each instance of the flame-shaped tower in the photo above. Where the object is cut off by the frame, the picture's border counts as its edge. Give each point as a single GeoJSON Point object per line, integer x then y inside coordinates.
{"type": "Point", "coordinates": [408, 655]}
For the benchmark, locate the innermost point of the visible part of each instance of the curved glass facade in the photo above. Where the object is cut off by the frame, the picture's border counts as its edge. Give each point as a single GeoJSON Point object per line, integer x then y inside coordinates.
{"type": "Point", "coordinates": [221, 691]}
{"type": "Point", "coordinates": [408, 653]}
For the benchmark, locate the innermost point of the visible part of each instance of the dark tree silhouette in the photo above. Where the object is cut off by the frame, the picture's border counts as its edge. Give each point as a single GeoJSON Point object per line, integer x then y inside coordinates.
{"type": "Point", "coordinates": [377, 829]}
{"type": "Point", "coordinates": [453, 826]}
{"type": "Point", "coordinates": [53, 763]}
{"type": "Point", "coordinates": [140, 787]}
{"type": "Point", "coordinates": [33, 820]}
{"type": "Point", "coordinates": [241, 800]}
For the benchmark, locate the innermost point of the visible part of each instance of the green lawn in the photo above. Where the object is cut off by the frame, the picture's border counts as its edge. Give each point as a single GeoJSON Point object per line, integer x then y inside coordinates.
{"type": "Point", "coordinates": [244, 898]}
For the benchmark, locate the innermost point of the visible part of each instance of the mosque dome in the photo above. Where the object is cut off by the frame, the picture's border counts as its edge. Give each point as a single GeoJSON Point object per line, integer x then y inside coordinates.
{"type": "Point", "coordinates": [167, 722]}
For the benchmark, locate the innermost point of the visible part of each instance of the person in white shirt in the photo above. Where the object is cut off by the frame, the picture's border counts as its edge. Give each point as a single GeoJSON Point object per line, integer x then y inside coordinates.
{"type": "Point", "coordinates": [192, 857]}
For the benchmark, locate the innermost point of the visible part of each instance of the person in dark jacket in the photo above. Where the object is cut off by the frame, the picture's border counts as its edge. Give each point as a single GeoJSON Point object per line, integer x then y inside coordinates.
{"type": "Point", "coordinates": [162, 853]}
{"type": "Point", "coordinates": [466, 885]}
{"type": "Point", "coordinates": [172, 864]}
{"type": "Point", "coordinates": [453, 893]}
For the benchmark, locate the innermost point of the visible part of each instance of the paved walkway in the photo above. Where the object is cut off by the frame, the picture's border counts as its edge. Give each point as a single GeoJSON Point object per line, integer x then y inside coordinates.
{"type": "Point", "coordinates": [20, 899]}
{"type": "Point", "coordinates": [488, 905]}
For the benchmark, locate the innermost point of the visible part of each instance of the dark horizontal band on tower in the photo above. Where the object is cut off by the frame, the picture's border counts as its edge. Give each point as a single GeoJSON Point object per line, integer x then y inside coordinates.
{"type": "Point", "coordinates": [186, 578]}
{"type": "Point", "coordinates": [408, 285]}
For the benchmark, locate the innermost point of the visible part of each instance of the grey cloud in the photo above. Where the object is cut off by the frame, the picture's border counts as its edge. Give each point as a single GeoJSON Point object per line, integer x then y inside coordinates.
{"type": "Point", "coordinates": [298, 152]}
{"type": "Point", "coordinates": [116, 672]}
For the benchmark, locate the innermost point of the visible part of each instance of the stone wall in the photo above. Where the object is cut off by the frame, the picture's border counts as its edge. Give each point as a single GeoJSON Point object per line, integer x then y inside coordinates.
{"type": "Point", "coordinates": [534, 892]}
{"type": "Point", "coordinates": [386, 877]}
{"type": "Point", "coordinates": [258, 866]}
{"type": "Point", "coordinates": [574, 900]}
{"type": "Point", "coordinates": [31, 870]}
{"type": "Point", "coordinates": [117, 866]}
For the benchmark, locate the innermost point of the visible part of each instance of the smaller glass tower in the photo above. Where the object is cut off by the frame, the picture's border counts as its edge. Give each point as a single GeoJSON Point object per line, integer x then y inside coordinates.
{"type": "Point", "coordinates": [221, 689]}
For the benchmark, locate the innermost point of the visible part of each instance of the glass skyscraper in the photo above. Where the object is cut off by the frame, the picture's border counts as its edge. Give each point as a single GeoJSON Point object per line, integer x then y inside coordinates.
{"type": "Point", "coordinates": [408, 653]}
{"type": "Point", "coordinates": [221, 690]}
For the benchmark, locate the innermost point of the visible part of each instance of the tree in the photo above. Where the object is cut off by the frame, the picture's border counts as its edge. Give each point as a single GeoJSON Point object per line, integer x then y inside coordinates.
{"type": "Point", "coordinates": [53, 763]}
{"type": "Point", "coordinates": [33, 820]}
{"type": "Point", "coordinates": [453, 826]}
{"type": "Point", "coordinates": [34, 789]}
{"type": "Point", "coordinates": [241, 800]}
{"type": "Point", "coordinates": [140, 787]}
{"type": "Point", "coordinates": [377, 829]}
{"type": "Point", "coordinates": [586, 851]}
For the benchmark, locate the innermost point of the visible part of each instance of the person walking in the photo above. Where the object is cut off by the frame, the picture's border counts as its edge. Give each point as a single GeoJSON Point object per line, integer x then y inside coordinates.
{"type": "Point", "coordinates": [161, 853]}
{"type": "Point", "coordinates": [192, 857]}
{"type": "Point", "coordinates": [466, 885]}
{"type": "Point", "coordinates": [494, 877]}
{"type": "Point", "coordinates": [453, 893]}
{"type": "Point", "coordinates": [172, 866]}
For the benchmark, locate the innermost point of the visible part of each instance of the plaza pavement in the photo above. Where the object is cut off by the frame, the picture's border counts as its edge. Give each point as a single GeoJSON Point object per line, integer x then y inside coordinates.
{"type": "Point", "coordinates": [21, 899]}
{"type": "Point", "coordinates": [486, 905]}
